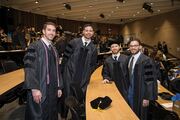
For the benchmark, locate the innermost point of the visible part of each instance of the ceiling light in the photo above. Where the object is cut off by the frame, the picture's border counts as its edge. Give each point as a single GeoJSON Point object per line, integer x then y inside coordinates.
{"type": "Point", "coordinates": [152, 3]}
{"type": "Point", "coordinates": [102, 15]}
{"type": "Point", "coordinates": [36, 1]}
{"type": "Point", "coordinates": [120, 0]}
{"type": "Point", "coordinates": [158, 10]}
{"type": "Point", "coordinates": [90, 6]}
{"type": "Point", "coordinates": [67, 6]}
{"type": "Point", "coordinates": [148, 7]}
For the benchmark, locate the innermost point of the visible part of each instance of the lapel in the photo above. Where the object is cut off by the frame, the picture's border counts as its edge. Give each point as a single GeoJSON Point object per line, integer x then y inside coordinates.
{"type": "Point", "coordinates": [139, 59]}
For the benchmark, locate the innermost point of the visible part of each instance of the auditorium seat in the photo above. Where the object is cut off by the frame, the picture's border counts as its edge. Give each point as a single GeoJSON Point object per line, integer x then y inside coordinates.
{"type": "Point", "coordinates": [9, 66]}
{"type": "Point", "coordinates": [175, 85]}
{"type": "Point", "coordinates": [157, 112]}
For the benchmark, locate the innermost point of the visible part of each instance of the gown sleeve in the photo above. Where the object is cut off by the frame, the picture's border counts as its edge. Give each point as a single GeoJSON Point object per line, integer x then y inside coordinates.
{"type": "Point", "coordinates": [106, 72]}
{"type": "Point", "coordinates": [150, 80]}
{"type": "Point", "coordinates": [31, 66]}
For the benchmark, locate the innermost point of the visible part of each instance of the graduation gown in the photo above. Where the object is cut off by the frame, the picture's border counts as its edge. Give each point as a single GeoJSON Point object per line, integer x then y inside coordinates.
{"type": "Point", "coordinates": [42, 73]}
{"type": "Point", "coordinates": [143, 85]}
{"type": "Point", "coordinates": [117, 71]}
{"type": "Point", "coordinates": [78, 64]}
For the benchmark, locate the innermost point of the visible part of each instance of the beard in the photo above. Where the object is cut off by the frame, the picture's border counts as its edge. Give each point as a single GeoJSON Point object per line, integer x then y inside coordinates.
{"type": "Point", "coordinates": [115, 51]}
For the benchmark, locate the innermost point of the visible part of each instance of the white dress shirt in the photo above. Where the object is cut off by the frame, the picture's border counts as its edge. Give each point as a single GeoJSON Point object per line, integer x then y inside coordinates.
{"type": "Point", "coordinates": [118, 54]}
{"type": "Point", "coordinates": [85, 40]}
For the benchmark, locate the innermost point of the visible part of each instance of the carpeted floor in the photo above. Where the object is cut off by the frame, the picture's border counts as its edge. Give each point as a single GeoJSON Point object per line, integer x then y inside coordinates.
{"type": "Point", "coordinates": [14, 111]}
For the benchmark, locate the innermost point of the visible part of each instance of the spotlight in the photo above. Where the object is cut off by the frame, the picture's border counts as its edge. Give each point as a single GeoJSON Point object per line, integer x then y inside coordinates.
{"type": "Point", "coordinates": [120, 0]}
{"type": "Point", "coordinates": [148, 7]}
{"type": "Point", "coordinates": [102, 15]}
{"type": "Point", "coordinates": [67, 6]}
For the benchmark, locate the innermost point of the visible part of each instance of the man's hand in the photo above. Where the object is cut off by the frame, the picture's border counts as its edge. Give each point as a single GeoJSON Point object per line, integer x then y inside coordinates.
{"type": "Point", "coordinates": [59, 93]}
{"type": "Point", "coordinates": [36, 95]}
{"type": "Point", "coordinates": [105, 81]}
{"type": "Point", "coordinates": [145, 103]}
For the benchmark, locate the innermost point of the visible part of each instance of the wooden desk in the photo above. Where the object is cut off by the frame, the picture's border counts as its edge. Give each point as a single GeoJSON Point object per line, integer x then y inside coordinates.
{"type": "Point", "coordinates": [11, 80]}
{"type": "Point", "coordinates": [119, 109]}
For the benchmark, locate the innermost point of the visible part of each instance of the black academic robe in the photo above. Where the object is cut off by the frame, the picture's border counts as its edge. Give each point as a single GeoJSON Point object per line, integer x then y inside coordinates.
{"type": "Point", "coordinates": [143, 84]}
{"type": "Point", "coordinates": [117, 71]}
{"type": "Point", "coordinates": [42, 73]}
{"type": "Point", "coordinates": [78, 64]}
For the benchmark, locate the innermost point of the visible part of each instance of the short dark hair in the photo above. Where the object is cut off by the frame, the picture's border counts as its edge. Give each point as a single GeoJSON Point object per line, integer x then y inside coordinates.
{"type": "Point", "coordinates": [87, 25]}
{"type": "Point", "coordinates": [134, 39]}
{"type": "Point", "coordinates": [48, 23]}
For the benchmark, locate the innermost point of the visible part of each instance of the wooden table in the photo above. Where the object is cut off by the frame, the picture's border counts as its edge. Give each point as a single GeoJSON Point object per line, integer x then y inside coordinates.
{"type": "Point", "coordinates": [119, 109]}
{"type": "Point", "coordinates": [11, 80]}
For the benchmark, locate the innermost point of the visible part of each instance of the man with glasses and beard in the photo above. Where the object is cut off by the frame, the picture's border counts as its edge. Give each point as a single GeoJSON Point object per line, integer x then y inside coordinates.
{"type": "Point", "coordinates": [143, 84]}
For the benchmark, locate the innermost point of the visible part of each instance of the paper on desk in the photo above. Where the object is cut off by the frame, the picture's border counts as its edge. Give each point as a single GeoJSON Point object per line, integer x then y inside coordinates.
{"type": "Point", "coordinates": [167, 105]}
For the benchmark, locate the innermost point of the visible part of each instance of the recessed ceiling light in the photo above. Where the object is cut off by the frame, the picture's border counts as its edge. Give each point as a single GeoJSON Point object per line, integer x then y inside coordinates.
{"type": "Point", "coordinates": [84, 17]}
{"type": "Point", "coordinates": [117, 7]}
{"type": "Point", "coordinates": [90, 6]}
{"type": "Point", "coordinates": [36, 1]}
{"type": "Point", "coordinates": [112, 11]}
{"type": "Point", "coordinates": [138, 12]}
{"type": "Point", "coordinates": [159, 10]}
{"type": "Point", "coordinates": [152, 3]}
{"type": "Point", "coordinates": [134, 15]}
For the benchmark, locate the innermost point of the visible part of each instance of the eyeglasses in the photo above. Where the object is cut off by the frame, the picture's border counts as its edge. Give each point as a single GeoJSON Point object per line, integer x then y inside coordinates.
{"type": "Point", "coordinates": [133, 45]}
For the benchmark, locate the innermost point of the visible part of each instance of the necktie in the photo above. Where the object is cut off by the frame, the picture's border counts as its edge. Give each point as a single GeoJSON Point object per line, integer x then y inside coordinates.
{"type": "Point", "coordinates": [85, 44]}
{"type": "Point", "coordinates": [131, 65]}
{"type": "Point", "coordinates": [115, 58]}
{"type": "Point", "coordinates": [50, 47]}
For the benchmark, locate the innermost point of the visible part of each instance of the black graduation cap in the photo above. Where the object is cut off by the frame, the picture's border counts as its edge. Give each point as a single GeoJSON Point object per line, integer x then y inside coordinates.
{"type": "Point", "coordinates": [113, 41]}
{"type": "Point", "coordinates": [101, 102]}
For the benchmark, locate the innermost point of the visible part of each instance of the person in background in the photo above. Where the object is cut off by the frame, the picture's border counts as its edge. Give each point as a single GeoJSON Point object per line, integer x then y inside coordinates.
{"type": "Point", "coordinates": [164, 48]}
{"type": "Point", "coordinates": [42, 79]}
{"type": "Point", "coordinates": [115, 69]}
{"type": "Point", "coordinates": [159, 45]}
{"type": "Point", "coordinates": [143, 80]}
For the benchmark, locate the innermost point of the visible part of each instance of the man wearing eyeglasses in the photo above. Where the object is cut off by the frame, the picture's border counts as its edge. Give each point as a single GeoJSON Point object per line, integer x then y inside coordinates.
{"type": "Point", "coordinates": [143, 84]}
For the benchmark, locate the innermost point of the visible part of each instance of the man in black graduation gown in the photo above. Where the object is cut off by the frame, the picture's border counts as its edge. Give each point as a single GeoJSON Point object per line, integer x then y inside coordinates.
{"type": "Point", "coordinates": [143, 84]}
{"type": "Point", "coordinates": [42, 79]}
{"type": "Point", "coordinates": [79, 61]}
{"type": "Point", "coordinates": [115, 69]}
